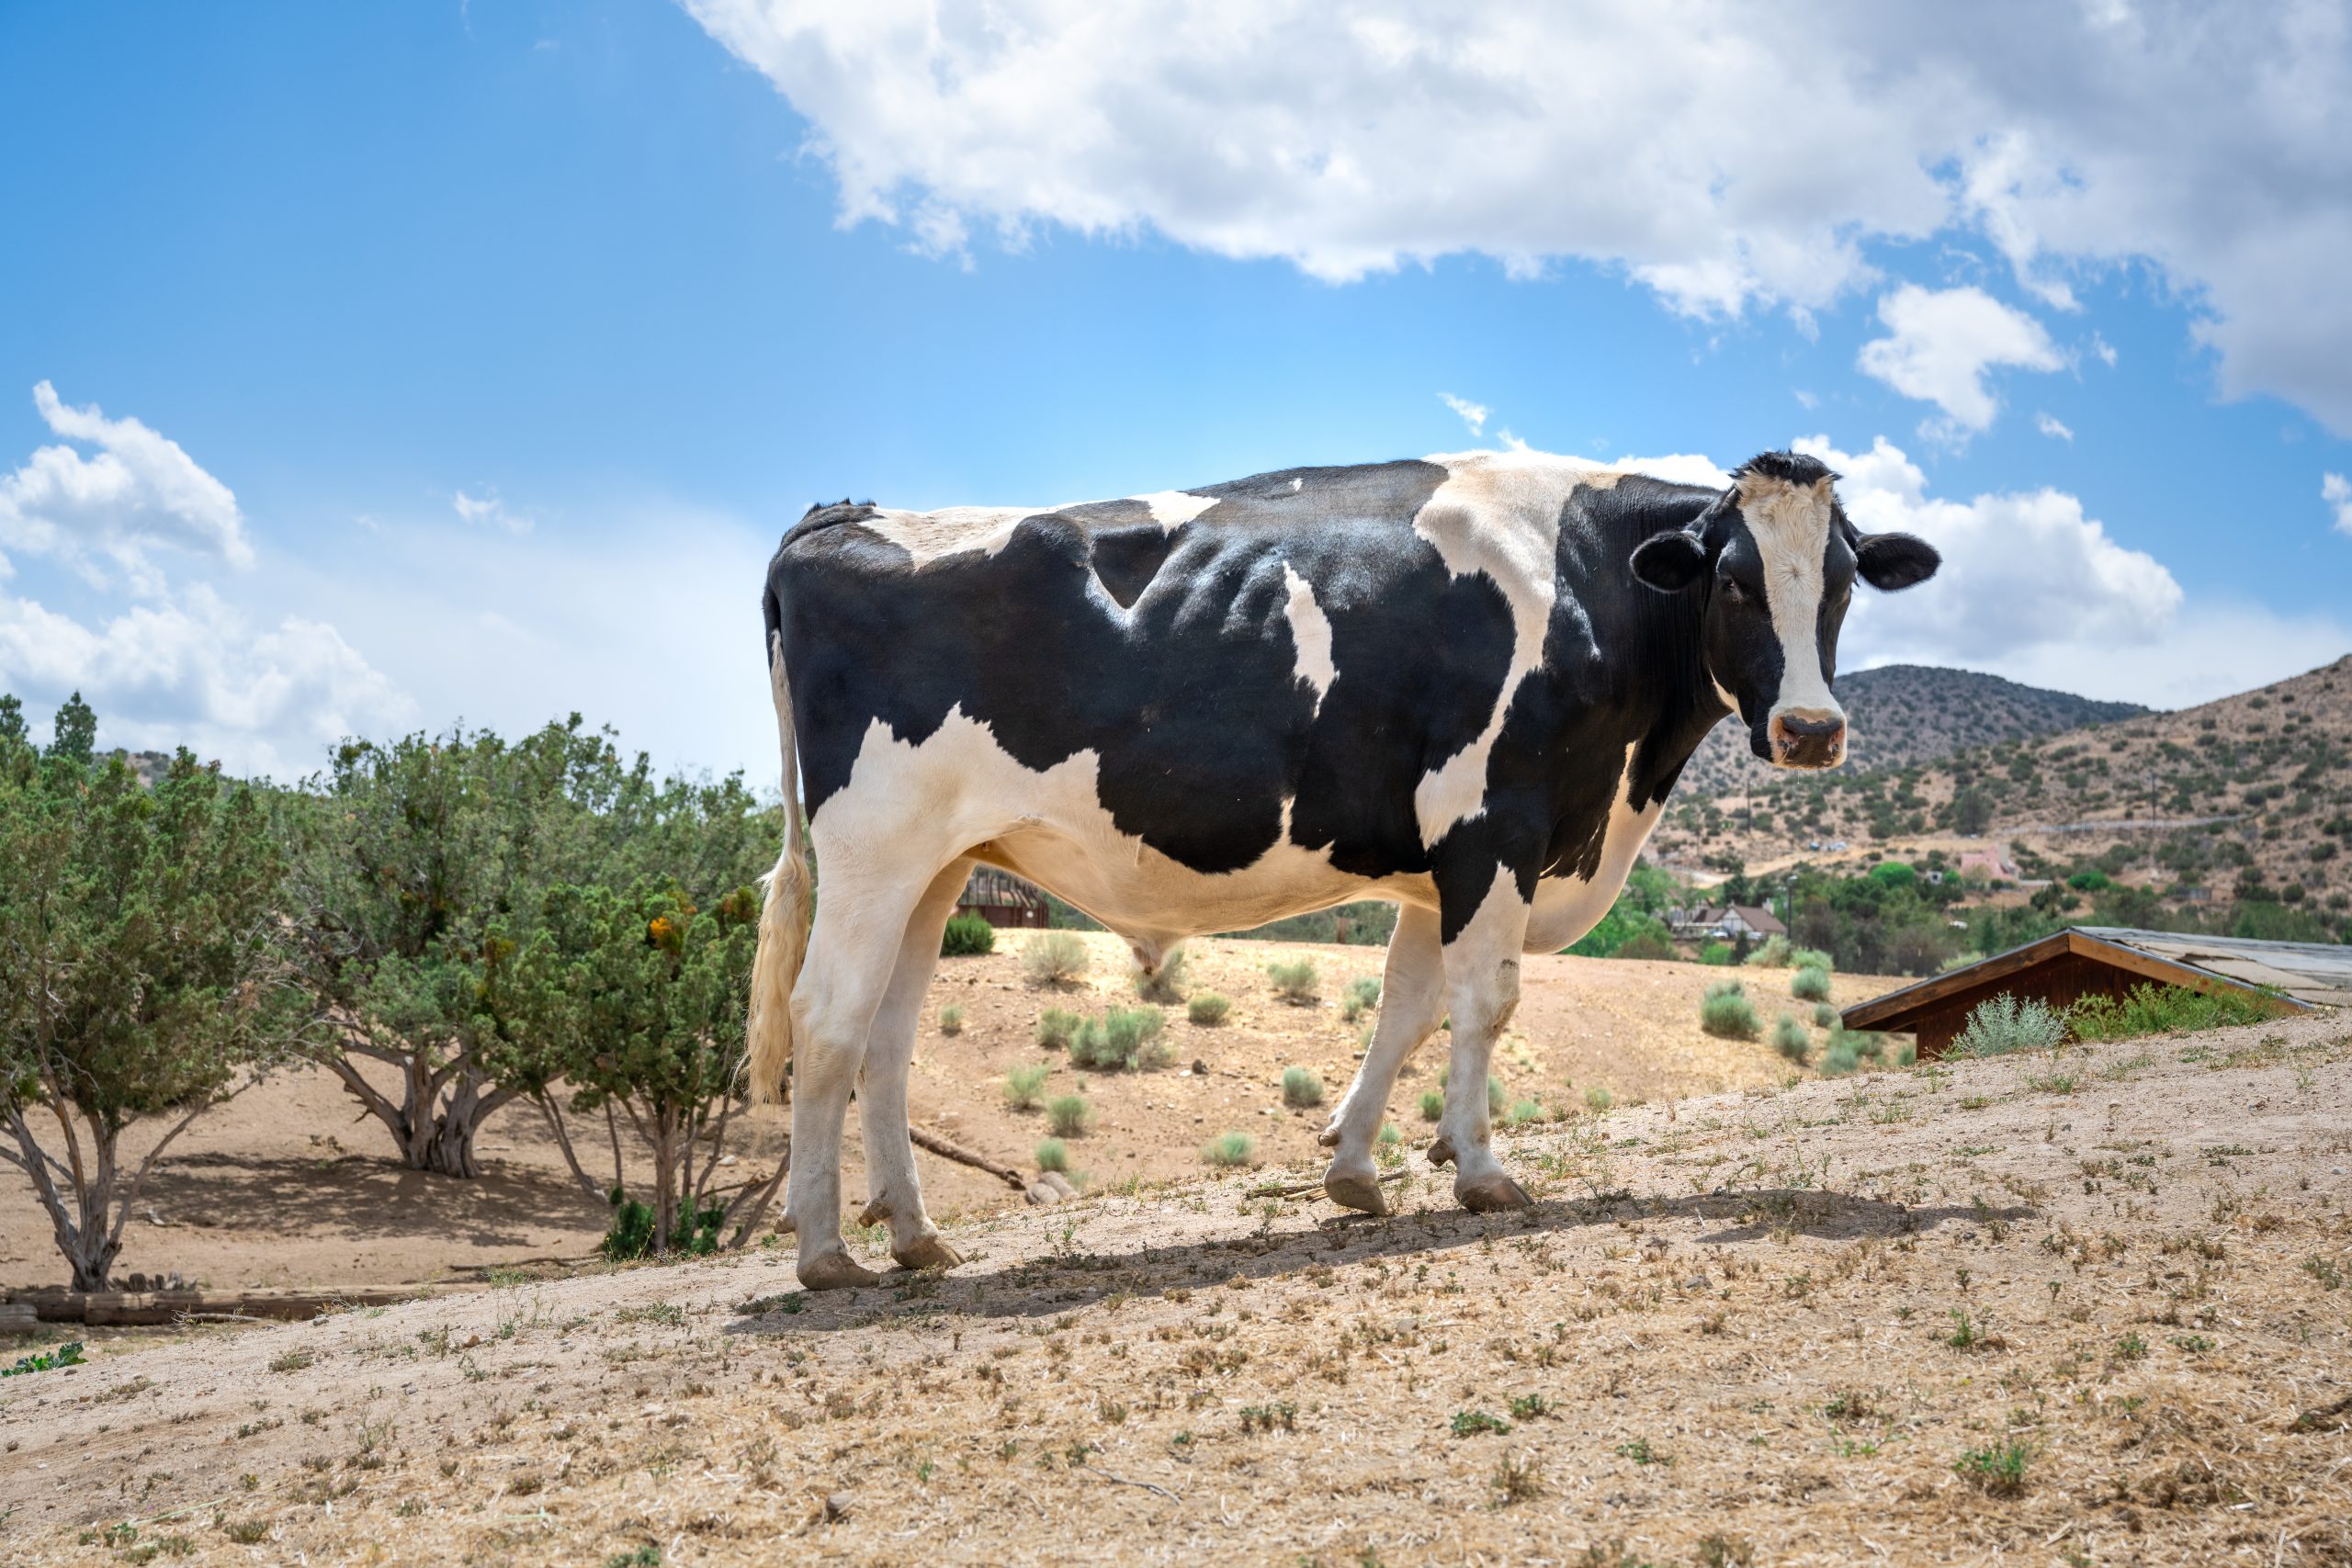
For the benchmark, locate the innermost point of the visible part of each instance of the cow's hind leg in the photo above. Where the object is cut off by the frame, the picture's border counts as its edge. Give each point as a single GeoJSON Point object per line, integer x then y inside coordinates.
{"type": "Point", "coordinates": [852, 951]}
{"type": "Point", "coordinates": [1412, 994]}
{"type": "Point", "coordinates": [1482, 992]}
{"type": "Point", "coordinates": [894, 1190]}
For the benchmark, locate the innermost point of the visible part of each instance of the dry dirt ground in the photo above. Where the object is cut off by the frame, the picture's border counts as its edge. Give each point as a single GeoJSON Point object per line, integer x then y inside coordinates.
{"type": "Point", "coordinates": [283, 1187]}
{"type": "Point", "coordinates": [1767, 1326]}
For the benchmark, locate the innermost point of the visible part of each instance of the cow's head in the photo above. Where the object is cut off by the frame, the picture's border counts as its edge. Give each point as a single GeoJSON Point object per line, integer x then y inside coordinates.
{"type": "Point", "coordinates": [1776, 558]}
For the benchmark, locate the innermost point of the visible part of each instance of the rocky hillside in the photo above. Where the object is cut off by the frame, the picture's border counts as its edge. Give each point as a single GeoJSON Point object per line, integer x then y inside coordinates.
{"type": "Point", "coordinates": [2246, 797]}
{"type": "Point", "coordinates": [1908, 714]}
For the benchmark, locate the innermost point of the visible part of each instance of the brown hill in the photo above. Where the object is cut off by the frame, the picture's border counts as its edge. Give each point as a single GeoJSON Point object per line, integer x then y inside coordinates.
{"type": "Point", "coordinates": [1904, 715]}
{"type": "Point", "coordinates": [2246, 797]}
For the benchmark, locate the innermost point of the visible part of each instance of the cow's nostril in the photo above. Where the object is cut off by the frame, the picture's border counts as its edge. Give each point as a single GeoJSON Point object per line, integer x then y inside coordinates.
{"type": "Point", "coordinates": [1803, 729]}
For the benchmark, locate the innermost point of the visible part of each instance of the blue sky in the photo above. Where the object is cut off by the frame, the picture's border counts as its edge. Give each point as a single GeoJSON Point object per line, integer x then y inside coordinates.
{"type": "Point", "coordinates": [479, 354]}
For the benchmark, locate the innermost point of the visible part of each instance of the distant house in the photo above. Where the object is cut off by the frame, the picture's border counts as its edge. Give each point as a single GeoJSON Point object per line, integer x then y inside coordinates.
{"type": "Point", "coordinates": [2083, 961]}
{"type": "Point", "coordinates": [1992, 865]}
{"type": "Point", "coordinates": [1002, 899]}
{"type": "Point", "coordinates": [1727, 923]}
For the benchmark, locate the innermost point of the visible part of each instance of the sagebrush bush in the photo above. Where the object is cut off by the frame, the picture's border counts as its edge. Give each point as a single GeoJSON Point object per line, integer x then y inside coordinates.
{"type": "Point", "coordinates": [1056, 1029]}
{"type": "Point", "coordinates": [1296, 982]}
{"type": "Point", "coordinates": [1301, 1088]}
{"type": "Point", "coordinates": [1433, 1105]}
{"type": "Point", "coordinates": [1726, 1012]}
{"type": "Point", "coordinates": [1843, 1056]}
{"type": "Point", "coordinates": [1053, 1155]}
{"type": "Point", "coordinates": [2007, 1023]}
{"type": "Point", "coordinates": [1122, 1038]}
{"type": "Point", "coordinates": [1229, 1149]}
{"type": "Point", "coordinates": [1053, 958]}
{"type": "Point", "coordinates": [1825, 1016]}
{"type": "Point", "coordinates": [1772, 954]}
{"type": "Point", "coordinates": [967, 936]}
{"type": "Point", "coordinates": [951, 1021]}
{"type": "Point", "coordinates": [1810, 985]}
{"type": "Point", "coordinates": [1791, 1039]}
{"type": "Point", "coordinates": [1208, 1009]}
{"type": "Point", "coordinates": [1809, 958]}
{"type": "Point", "coordinates": [2151, 1009]}
{"type": "Point", "coordinates": [1360, 996]}
{"type": "Point", "coordinates": [1598, 1099]}
{"type": "Point", "coordinates": [1167, 983]}
{"type": "Point", "coordinates": [1021, 1086]}
{"type": "Point", "coordinates": [1522, 1113]}
{"type": "Point", "coordinates": [1069, 1115]}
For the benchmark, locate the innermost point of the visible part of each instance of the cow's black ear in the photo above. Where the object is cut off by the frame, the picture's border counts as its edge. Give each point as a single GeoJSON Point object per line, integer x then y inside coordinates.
{"type": "Point", "coordinates": [1669, 562]}
{"type": "Point", "coordinates": [1889, 561]}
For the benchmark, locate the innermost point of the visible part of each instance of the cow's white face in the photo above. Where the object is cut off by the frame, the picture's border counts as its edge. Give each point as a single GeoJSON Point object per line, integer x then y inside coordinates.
{"type": "Point", "coordinates": [1777, 559]}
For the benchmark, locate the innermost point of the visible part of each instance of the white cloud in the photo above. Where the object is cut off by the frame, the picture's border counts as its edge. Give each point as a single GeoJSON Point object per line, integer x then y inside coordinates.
{"type": "Point", "coordinates": [182, 665]}
{"type": "Point", "coordinates": [2022, 570]}
{"type": "Point", "coordinates": [138, 491]}
{"type": "Point", "coordinates": [2050, 424]}
{"type": "Point", "coordinates": [2336, 490]}
{"type": "Point", "coordinates": [1722, 155]}
{"type": "Point", "coordinates": [1472, 414]}
{"type": "Point", "coordinates": [2104, 349]}
{"type": "Point", "coordinates": [1942, 343]}
{"type": "Point", "coordinates": [491, 508]}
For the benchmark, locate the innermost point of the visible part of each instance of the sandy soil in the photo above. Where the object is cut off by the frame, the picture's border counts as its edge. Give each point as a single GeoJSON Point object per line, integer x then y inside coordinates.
{"type": "Point", "coordinates": [288, 1185]}
{"type": "Point", "coordinates": [1762, 1326]}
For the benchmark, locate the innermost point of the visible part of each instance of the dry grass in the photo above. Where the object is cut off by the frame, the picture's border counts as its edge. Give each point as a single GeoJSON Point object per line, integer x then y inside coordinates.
{"type": "Point", "coordinates": [1725, 1334]}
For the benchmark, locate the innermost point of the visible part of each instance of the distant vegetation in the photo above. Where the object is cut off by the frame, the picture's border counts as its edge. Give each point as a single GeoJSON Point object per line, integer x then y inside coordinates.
{"type": "Point", "coordinates": [967, 936]}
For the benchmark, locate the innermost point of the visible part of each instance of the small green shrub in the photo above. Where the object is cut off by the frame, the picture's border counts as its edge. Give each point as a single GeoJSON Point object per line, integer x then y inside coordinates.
{"type": "Point", "coordinates": [1843, 1057]}
{"type": "Point", "coordinates": [1069, 1115]}
{"type": "Point", "coordinates": [951, 1021]}
{"type": "Point", "coordinates": [1598, 1099]}
{"type": "Point", "coordinates": [1208, 1009]}
{"type": "Point", "coordinates": [1301, 1088]}
{"type": "Point", "coordinates": [1998, 1470]}
{"type": "Point", "coordinates": [1362, 995]}
{"type": "Point", "coordinates": [967, 936]}
{"type": "Point", "coordinates": [1772, 954]}
{"type": "Point", "coordinates": [2005, 1023]}
{"type": "Point", "coordinates": [1227, 1150]}
{"type": "Point", "coordinates": [1809, 958]}
{"type": "Point", "coordinates": [1054, 1154]}
{"type": "Point", "coordinates": [1471, 1423]}
{"type": "Point", "coordinates": [1022, 1085]}
{"type": "Point", "coordinates": [1810, 985]}
{"type": "Point", "coordinates": [1296, 982]}
{"type": "Point", "coordinates": [1056, 1029]}
{"type": "Point", "coordinates": [1165, 984]}
{"type": "Point", "coordinates": [1717, 952]}
{"type": "Point", "coordinates": [1053, 958]}
{"type": "Point", "coordinates": [1823, 1016]}
{"type": "Point", "coordinates": [1726, 1012]}
{"type": "Point", "coordinates": [1121, 1038]}
{"type": "Point", "coordinates": [1522, 1113]}
{"type": "Point", "coordinates": [2150, 1009]}
{"type": "Point", "coordinates": [1650, 945]}
{"type": "Point", "coordinates": [1433, 1105]}
{"type": "Point", "coordinates": [1791, 1039]}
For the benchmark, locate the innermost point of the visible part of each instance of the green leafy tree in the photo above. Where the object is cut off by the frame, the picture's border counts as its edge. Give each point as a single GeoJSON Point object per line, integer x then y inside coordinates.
{"type": "Point", "coordinates": [633, 1000]}
{"type": "Point", "coordinates": [407, 856]}
{"type": "Point", "coordinates": [143, 978]}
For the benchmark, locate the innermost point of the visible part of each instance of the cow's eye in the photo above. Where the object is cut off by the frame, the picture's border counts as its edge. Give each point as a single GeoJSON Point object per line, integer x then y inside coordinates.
{"type": "Point", "coordinates": [1733, 591]}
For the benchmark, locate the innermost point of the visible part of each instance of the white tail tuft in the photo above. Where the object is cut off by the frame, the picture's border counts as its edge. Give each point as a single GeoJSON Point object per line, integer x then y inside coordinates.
{"type": "Point", "coordinates": [784, 918]}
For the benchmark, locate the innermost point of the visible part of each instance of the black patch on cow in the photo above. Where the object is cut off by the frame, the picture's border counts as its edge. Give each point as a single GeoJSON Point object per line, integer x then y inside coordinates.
{"type": "Point", "coordinates": [1128, 547]}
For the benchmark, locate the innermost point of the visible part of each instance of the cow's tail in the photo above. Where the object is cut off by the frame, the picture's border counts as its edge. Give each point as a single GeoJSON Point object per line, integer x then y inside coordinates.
{"type": "Point", "coordinates": [783, 919]}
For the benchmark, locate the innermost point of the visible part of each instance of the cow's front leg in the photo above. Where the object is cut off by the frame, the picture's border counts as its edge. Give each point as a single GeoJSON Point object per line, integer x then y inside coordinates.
{"type": "Point", "coordinates": [1412, 994]}
{"type": "Point", "coordinates": [1482, 992]}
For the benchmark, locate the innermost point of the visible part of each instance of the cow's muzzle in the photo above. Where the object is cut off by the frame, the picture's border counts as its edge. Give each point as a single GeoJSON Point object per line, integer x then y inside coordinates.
{"type": "Point", "coordinates": [1808, 738]}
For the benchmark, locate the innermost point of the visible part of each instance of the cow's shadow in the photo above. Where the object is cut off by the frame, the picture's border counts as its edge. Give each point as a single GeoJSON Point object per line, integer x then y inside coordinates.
{"type": "Point", "coordinates": [1068, 1279]}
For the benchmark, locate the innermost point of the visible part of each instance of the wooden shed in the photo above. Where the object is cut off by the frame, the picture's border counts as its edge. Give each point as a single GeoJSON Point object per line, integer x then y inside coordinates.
{"type": "Point", "coordinates": [1002, 899]}
{"type": "Point", "coordinates": [2083, 961]}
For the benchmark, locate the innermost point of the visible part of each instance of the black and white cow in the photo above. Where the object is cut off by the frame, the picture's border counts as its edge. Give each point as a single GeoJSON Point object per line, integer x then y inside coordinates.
{"type": "Point", "coordinates": [1465, 683]}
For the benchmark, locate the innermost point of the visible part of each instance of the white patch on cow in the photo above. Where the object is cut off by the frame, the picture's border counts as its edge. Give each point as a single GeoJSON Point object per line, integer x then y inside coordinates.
{"type": "Point", "coordinates": [1790, 523]}
{"type": "Point", "coordinates": [1567, 907]}
{"type": "Point", "coordinates": [1497, 513]}
{"type": "Point", "coordinates": [909, 809]}
{"type": "Point", "coordinates": [955, 530]}
{"type": "Point", "coordinates": [1172, 509]}
{"type": "Point", "coordinates": [1310, 630]}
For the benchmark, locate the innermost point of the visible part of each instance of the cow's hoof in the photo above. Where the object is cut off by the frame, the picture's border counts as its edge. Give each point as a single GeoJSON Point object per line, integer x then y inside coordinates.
{"type": "Point", "coordinates": [873, 1213]}
{"type": "Point", "coordinates": [835, 1271]}
{"type": "Point", "coordinates": [1359, 1192]}
{"type": "Point", "coordinates": [1493, 1193]}
{"type": "Point", "coordinates": [928, 1252]}
{"type": "Point", "coordinates": [1441, 1150]}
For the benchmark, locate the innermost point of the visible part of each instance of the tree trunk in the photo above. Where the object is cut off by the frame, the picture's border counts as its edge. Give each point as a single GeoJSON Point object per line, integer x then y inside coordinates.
{"type": "Point", "coordinates": [439, 1112]}
{"type": "Point", "coordinates": [80, 1211]}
